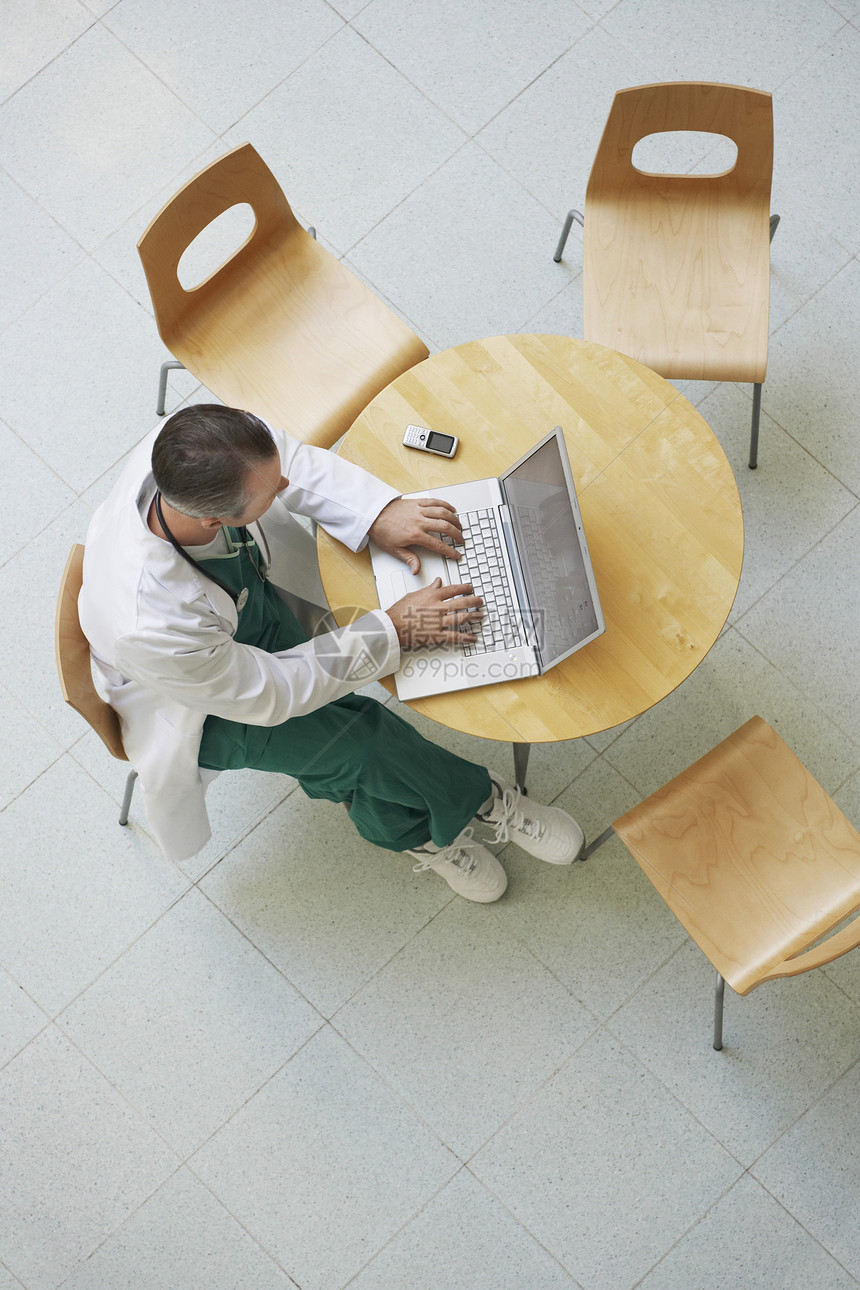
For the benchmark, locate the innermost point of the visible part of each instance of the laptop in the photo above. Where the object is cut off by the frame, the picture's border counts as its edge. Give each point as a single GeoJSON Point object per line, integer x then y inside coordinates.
{"type": "Point", "coordinates": [526, 555]}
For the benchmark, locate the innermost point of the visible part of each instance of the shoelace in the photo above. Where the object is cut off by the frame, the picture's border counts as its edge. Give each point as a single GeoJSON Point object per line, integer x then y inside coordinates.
{"type": "Point", "coordinates": [514, 817]}
{"type": "Point", "coordinates": [458, 857]}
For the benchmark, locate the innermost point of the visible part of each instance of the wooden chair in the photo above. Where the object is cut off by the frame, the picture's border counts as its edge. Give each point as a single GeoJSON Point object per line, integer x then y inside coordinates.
{"type": "Point", "coordinates": [676, 268]}
{"type": "Point", "coordinates": [282, 328]}
{"type": "Point", "coordinates": [754, 858]}
{"type": "Point", "coordinates": [75, 670]}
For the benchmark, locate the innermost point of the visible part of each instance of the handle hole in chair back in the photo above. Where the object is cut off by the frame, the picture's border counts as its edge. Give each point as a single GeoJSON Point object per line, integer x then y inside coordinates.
{"type": "Point", "coordinates": [240, 177]}
{"type": "Point", "coordinates": [216, 245]}
{"type": "Point", "coordinates": [683, 152]}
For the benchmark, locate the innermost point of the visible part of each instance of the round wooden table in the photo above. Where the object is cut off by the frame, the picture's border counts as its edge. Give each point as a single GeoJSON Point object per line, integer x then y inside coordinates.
{"type": "Point", "coordinates": [659, 503]}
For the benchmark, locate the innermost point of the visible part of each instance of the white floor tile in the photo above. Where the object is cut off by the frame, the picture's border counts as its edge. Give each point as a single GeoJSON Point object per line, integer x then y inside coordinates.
{"type": "Point", "coordinates": [183, 1237]}
{"type": "Point", "coordinates": [745, 1242]}
{"type": "Point", "coordinates": [788, 502]}
{"type": "Point", "coordinates": [463, 1237]}
{"type": "Point", "coordinates": [804, 255]}
{"type": "Point", "coordinates": [809, 624]}
{"type": "Point", "coordinates": [783, 1045]}
{"type": "Point", "coordinates": [325, 1126]}
{"type": "Point", "coordinates": [598, 925]}
{"type": "Point", "coordinates": [813, 1172]}
{"type": "Point", "coordinates": [606, 1190]}
{"type": "Point", "coordinates": [20, 1018]}
{"type": "Point", "coordinates": [220, 80]}
{"type": "Point", "coordinates": [34, 493]}
{"type": "Point", "coordinates": [547, 137]}
{"type": "Point", "coordinates": [27, 749]}
{"type": "Point", "coordinates": [810, 383]}
{"type": "Point", "coordinates": [29, 582]}
{"type": "Point", "coordinates": [814, 158]}
{"type": "Point", "coordinates": [61, 136]}
{"type": "Point", "coordinates": [328, 909]}
{"type": "Point", "coordinates": [495, 55]}
{"type": "Point", "coordinates": [108, 372]}
{"type": "Point", "coordinates": [734, 43]}
{"type": "Point", "coordinates": [845, 971]}
{"type": "Point", "coordinates": [194, 987]}
{"type": "Point", "coordinates": [236, 801]}
{"type": "Point", "coordinates": [733, 684]}
{"type": "Point", "coordinates": [77, 1161]}
{"type": "Point", "coordinates": [550, 769]}
{"type": "Point", "coordinates": [34, 251]}
{"type": "Point", "coordinates": [847, 798]}
{"type": "Point", "coordinates": [463, 288]}
{"type": "Point", "coordinates": [352, 97]}
{"type": "Point", "coordinates": [31, 41]}
{"type": "Point", "coordinates": [462, 989]}
{"type": "Point", "coordinates": [98, 886]}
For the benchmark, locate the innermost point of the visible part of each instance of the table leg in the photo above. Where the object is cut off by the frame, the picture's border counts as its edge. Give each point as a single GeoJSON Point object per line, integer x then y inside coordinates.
{"type": "Point", "coordinates": [521, 761]}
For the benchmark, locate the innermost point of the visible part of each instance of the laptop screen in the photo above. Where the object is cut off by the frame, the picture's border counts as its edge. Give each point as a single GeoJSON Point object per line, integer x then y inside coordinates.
{"type": "Point", "coordinates": [553, 553]}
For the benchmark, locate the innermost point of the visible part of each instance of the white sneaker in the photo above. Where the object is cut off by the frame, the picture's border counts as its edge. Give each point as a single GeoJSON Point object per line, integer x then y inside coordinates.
{"type": "Point", "coordinates": [467, 867]}
{"type": "Point", "coordinates": [546, 832]}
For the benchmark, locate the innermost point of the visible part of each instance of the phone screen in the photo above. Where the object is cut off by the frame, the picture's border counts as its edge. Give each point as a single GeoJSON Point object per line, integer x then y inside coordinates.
{"type": "Point", "coordinates": [437, 442]}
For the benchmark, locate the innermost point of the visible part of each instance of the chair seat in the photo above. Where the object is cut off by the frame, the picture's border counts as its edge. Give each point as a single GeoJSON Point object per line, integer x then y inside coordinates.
{"type": "Point", "coordinates": [674, 282]}
{"type": "Point", "coordinates": [254, 355]}
{"type": "Point", "coordinates": [753, 857]}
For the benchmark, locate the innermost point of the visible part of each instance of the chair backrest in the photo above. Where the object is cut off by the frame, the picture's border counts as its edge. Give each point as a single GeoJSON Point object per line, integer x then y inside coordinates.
{"type": "Point", "coordinates": [240, 176]}
{"type": "Point", "coordinates": [73, 660]}
{"type": "Point", "coordinates": [676, 268]}
{"type": "Point", "coordinates": [745, 116]}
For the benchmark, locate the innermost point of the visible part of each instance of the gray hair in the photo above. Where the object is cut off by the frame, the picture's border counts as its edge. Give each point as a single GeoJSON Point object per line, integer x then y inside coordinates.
{"type": "Point", "coordinates": [202, 457]}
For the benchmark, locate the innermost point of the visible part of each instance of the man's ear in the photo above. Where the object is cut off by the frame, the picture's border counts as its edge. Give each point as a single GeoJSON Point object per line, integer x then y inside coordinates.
{"type": "Point", "coordinates": [210, 522]}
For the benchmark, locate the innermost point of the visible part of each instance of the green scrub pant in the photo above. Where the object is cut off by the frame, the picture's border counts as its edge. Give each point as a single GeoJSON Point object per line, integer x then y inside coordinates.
{"type": "Point", "coordinates": [402, 790]}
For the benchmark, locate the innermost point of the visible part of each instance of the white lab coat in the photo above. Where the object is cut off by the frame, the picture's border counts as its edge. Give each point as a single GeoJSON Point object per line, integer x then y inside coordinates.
{"type": "Point", "coordinates": [161, 634]}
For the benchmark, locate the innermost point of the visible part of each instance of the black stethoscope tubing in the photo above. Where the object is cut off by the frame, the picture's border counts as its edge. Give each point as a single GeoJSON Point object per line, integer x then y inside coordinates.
{"type": "Point", "coordinates": [244, 537]}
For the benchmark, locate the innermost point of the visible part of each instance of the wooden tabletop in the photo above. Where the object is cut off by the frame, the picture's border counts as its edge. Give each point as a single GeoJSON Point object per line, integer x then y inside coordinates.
{"type": "Point", "coordinates": [659, 503]}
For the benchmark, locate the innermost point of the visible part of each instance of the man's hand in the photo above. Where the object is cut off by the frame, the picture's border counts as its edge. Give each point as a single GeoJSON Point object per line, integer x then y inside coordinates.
{"type": "Point", "coordinates": [430, 616]}
{"type": "Point", "coordinates": [403, 524]}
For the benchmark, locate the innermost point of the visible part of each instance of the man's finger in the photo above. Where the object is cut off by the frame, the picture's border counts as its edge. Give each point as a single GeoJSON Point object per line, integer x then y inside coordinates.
{"type": "Point", "coordinates": [459, 589]}
{"type": "Point", "coordinates": [445, 519]}
{"type": "Point", "coordinates": [431, 542]}
{"type": "Point", "coordinates": [408, 556]}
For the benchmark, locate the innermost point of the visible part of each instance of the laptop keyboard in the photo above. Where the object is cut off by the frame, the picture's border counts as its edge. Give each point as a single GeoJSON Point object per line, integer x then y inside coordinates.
{"type": "Point", "coordinates": [484, 566]}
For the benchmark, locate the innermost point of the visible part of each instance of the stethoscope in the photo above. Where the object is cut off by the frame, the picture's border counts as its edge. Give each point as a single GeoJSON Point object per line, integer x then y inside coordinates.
{"type": "Point", "coordinates": [245, 539]}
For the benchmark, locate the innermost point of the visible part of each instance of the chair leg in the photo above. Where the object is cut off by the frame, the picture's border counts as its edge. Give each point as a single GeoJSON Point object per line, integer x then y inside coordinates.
{"type": "Point", "coordinates": [718, 1012]}
{"type": "Point", "coordinates": [162, 384]}
{"type": "Point", "coordinates": [126, 797]}
{"type": "Point", "coordinates": [521, 763]}
{"type": "Point", "coordinates": [756, 414]}
{"type": "Point", "coordinates": [569, 218]}
{"type": "Point", "coordinates": [598, 842]}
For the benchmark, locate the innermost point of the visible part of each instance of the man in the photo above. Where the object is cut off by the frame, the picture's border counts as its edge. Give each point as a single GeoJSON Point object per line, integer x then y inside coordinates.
{"type": "Point", "coordinates": [195, 614]}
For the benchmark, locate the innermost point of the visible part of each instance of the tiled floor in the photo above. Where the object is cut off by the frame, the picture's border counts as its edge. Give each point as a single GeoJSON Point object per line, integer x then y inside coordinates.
{"type": "Point", "coordinates": [294, 1062]}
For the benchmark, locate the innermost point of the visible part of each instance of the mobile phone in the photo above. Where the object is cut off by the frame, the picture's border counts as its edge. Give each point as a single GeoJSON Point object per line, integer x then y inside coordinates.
{"type": "Point", "coordinates": [444, 445]}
